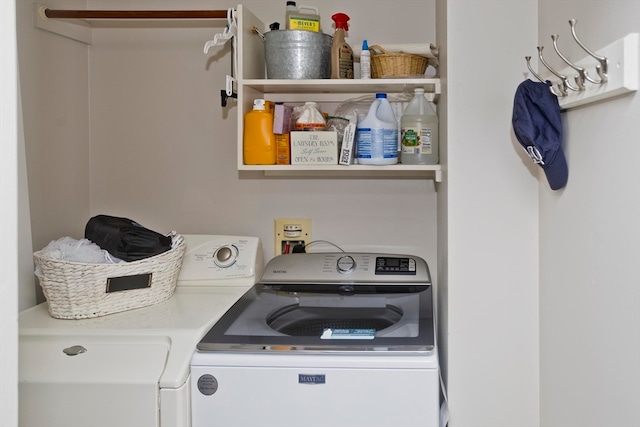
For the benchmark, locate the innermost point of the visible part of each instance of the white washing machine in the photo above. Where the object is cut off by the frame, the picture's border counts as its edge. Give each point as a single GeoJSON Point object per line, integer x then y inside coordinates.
{"type": "Point", "coordinates": [132, 368]}
{"type": "Point", "coordinates": [324, 339]}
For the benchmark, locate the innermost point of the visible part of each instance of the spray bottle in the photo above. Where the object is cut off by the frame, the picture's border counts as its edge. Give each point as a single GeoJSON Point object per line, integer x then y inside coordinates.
{"type": "Point", "coordinates": [341, 52]}
{"type": "Point", "coordinates": [365, 61]}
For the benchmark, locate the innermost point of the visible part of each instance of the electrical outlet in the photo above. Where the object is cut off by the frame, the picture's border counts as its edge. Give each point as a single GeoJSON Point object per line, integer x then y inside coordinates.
{"type": "Point", "coordinates": [290, 232]}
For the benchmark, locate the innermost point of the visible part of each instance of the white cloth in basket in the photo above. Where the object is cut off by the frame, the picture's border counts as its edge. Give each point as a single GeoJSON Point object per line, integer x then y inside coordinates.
{"type": "Point", "coordinates": [83, 250]}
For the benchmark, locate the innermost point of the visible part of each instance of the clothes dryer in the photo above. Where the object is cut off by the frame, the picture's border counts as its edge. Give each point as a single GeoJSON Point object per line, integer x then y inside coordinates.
{"type": "Point", "coordinates": [132, 368]}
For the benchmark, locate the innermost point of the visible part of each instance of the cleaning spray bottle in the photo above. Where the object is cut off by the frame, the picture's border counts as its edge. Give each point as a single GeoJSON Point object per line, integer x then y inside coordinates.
{"type": "Point", "coordinates": [341, 52]}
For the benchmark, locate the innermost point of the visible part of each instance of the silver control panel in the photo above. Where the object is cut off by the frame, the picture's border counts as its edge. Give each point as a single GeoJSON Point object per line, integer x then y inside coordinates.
{"type": "Point", "coordinates": [338, 267]}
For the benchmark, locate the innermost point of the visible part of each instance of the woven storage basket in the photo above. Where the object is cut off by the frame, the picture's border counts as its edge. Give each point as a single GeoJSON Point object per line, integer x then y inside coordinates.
{"type": "Point", "coordinates": [385, 65]}
{"type": "Point", "coordinates": [76, 290]}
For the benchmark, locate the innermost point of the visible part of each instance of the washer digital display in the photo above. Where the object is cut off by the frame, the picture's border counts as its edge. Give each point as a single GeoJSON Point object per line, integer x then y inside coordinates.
{"type": "Point", "coordinates": [394, 265]}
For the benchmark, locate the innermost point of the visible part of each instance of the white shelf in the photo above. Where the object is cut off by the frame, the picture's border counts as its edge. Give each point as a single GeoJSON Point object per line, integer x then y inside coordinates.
{"type": "Point", "coordinates": [395, 171]}
{"type": "Point", "coordinates": [342, 86]}
{"type": "Point", "coordinates": [252, 84]}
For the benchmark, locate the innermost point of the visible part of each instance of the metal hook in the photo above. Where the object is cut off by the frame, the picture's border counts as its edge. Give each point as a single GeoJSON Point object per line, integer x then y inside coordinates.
{"type": "Point", "coordinates": [561, 92]}
{"type": "Point", "coordinates": [565, 79]}
{"type": "Point", "coordinates": [582, 73]}
{"type": "Point", "coordinates": [601, 68]}
{"type": "Point", "coordinates": [528, 59]}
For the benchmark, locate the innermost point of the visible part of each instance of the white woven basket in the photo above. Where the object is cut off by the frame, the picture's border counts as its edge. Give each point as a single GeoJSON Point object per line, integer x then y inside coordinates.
{"type": "Point", "coordinates": [76, 290]}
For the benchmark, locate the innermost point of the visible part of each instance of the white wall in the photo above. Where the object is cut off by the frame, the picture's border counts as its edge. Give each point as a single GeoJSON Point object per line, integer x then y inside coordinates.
{"type": "Point", "coordinates": [163, 150]}
{"type": "Point", "coordinates": [492, 255]}
{"type": "Point", "coordinates": [9, 216]}
{"type": "Point", "coordinates": [590, 242]}
{"type": "Point", "coordinates": [55, 100]}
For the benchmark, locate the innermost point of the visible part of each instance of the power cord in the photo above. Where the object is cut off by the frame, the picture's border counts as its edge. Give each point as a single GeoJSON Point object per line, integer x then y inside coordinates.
{"type": "Point", "coordinates": [302, 249]}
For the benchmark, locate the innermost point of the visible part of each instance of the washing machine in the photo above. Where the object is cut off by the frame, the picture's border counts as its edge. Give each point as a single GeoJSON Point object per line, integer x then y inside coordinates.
{"type": "Point", "coordinates": [132, 368]}
{"type": "Point", "coordinates": [323, 339]}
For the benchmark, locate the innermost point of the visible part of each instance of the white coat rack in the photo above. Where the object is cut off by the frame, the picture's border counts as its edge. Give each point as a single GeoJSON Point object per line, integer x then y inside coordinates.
{"type": "Point", "coordinates": [608, 73]}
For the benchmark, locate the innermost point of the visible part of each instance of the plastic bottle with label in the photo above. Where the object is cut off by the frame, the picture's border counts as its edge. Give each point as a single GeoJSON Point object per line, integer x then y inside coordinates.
{"type": "Point", "coordinates": [341, 52]}
{"type": "Point", "coordinates": [419, 132]}
{"type": "Point", "coordinates": [259, 141]}
{"type": "Point", "coordinates": [310, 118]}
{"type": "Point", "coordinates": [377, 134]}
{"type": "Point", "coordinates": [365, 61]}
{"type": "Point", "coordinates": [302, 17]}
{"type": "Point", "coordinates": [290, 9]}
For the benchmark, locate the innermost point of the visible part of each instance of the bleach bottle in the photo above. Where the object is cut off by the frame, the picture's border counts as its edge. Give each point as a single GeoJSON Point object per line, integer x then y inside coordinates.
{"type": "Point", "coordinates": [377, 134]}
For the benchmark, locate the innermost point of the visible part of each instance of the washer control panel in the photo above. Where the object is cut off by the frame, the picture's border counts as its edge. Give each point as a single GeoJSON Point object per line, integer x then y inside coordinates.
{"type": "Point", "coordinates": [346, 267]}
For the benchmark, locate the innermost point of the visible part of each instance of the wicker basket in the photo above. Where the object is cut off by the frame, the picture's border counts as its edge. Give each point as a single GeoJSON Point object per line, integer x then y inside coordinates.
{"type": "Point", "coordinates": [76, 290]}
{"type": "Point", "coordinates": [386, 65]}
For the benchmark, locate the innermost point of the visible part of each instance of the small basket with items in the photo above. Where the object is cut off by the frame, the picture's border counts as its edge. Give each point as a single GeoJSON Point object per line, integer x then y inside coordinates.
{"type": "Point", "coordinates": [118, 266]}
{"type": "Point", "coordinates": [397, 64]}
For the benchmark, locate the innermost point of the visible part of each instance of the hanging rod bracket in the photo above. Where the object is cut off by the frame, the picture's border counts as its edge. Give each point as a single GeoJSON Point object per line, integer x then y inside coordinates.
{"type": "Point", "coordinates": [224, 97]}
{"type": "Point", "coordinates": [78, 31]}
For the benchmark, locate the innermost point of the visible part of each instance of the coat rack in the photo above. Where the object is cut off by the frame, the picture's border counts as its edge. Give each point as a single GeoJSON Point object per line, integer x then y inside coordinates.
{"type": "Point", "coordinates": [611, 72]}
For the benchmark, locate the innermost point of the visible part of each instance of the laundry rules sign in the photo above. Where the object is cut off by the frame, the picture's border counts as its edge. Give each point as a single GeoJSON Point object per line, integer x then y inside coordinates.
{"type": "Point", "coordinates": [314, 148]}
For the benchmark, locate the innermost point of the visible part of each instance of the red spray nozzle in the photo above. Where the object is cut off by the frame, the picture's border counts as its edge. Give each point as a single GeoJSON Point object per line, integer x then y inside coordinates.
{"type": "Point", "coordinates": [341, 20]}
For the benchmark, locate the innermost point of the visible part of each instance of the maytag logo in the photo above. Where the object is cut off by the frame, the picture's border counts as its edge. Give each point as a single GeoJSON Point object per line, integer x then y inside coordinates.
{"type": "Point", "coordinates": [311, 379]}
{"type": "Point", "coordinates": [280, 271]}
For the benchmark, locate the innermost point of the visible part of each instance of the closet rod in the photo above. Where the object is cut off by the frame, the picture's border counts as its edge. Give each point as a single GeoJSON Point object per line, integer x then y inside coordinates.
{"type": "Point", "coordinates": [135, 14]}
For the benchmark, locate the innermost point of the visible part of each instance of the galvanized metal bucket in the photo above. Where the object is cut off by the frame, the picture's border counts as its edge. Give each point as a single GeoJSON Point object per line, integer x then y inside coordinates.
{"type": "Point", "coordinates": [297, 54]}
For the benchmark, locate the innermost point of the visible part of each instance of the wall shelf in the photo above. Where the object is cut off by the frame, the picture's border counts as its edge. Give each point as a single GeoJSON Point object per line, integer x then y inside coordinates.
{"type": "Point", "coordinates": [342, 86]}
{"type": "Point", "coordinates": [252, 83]}
{"type": "Point", "coordinates": [355, 171]}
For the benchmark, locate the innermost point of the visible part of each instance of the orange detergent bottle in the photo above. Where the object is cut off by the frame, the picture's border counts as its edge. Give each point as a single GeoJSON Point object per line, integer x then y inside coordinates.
{"type": "Point", "coordinates": [259, 141]}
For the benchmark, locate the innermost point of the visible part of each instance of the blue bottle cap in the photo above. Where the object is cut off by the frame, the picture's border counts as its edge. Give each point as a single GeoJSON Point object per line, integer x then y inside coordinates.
{"type": "Point", "coordinates": [381, 95]}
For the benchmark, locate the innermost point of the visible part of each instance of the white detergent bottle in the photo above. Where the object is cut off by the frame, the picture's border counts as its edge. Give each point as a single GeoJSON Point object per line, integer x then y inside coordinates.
{"type": "Point", "coordinates": [419, 132]}
{"type": "Point", "coordinates": [377, 134]}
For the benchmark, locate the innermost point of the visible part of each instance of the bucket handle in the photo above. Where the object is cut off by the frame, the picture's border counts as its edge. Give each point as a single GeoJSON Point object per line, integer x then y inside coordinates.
{"type": "Point", "coordinates": [313, 8]}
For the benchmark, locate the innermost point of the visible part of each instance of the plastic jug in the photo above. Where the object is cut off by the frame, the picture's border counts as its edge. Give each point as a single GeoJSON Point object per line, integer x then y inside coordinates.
{"type": "Point", "coordinates": [302, 17]}
{"type": "Point", "coordinates": [377, 134]}
{"type": "Point", "coordinates": [259, 141]}
{"type": "Point", "coordinates": [419, 132]}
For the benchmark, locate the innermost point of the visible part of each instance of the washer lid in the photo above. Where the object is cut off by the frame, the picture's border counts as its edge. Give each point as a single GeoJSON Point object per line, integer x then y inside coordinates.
{"type": "Point", "coordinates": [321, 317]}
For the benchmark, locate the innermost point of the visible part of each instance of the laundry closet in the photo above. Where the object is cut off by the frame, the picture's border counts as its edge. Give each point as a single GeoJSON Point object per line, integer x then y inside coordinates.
{"type": "Point", "coordinates": [126, 119]}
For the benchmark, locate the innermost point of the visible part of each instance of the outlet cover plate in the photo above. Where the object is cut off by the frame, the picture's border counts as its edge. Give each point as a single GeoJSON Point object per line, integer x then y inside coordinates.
{"type": "Point", "coordinates": [291, 230]}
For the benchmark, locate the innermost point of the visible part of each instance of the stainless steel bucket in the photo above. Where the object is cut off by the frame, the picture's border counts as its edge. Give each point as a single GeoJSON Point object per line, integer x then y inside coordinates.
{"type": "Point", "coordinates": [297, 54]}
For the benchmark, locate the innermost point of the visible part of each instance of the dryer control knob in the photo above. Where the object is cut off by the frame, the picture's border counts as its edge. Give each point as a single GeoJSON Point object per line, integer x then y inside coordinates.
{"type": "Point", "coordinates": [346, 265]}
{"type": "Point", "coordinates": [225, 256]}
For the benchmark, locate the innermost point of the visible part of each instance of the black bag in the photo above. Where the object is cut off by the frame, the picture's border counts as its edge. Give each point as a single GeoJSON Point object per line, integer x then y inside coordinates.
{"type": "Point", "coordinates": [124, 238]}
